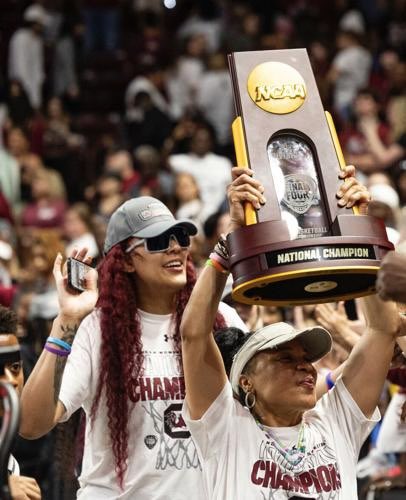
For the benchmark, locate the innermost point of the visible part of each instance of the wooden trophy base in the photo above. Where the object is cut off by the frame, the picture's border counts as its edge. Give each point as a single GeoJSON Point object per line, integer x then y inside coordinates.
{"type": "Point", "coordinates": [304, 271]}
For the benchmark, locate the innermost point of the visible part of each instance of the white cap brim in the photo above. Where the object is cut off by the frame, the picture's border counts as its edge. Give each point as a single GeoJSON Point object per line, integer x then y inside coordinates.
{"type": "Point", "coordinates": [316, 341]}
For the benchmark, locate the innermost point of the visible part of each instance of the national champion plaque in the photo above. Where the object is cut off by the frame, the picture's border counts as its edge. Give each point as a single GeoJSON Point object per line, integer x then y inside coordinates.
{"type": "Point", "coordinates": [301, 247]}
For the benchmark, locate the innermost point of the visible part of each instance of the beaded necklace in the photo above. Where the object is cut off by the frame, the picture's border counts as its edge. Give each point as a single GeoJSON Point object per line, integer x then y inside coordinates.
{"type": "Point", "coordinates": [292, 455]}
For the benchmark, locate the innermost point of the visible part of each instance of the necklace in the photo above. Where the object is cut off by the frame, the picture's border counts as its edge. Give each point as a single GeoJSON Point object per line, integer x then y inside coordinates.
{"type": "Point", "coordinates": [293, 455]}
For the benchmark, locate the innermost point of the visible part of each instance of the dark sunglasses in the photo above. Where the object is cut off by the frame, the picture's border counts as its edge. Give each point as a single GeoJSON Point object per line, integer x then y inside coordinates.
{"type": "Point", "coordinates": [162, 242]}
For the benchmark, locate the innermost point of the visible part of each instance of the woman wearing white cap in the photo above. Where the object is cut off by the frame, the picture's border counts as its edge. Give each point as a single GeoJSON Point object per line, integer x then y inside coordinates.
{"type": "Point", "coordinates": [261, 434]}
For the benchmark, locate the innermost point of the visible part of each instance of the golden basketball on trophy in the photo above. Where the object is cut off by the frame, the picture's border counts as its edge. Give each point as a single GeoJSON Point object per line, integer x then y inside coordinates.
{"type": "Point", "coordinates": [301, 247]}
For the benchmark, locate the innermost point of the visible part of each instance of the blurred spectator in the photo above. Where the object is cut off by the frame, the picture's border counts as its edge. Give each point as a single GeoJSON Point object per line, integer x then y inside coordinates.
{"type": "Point", "coordinates": [204, 21]}
{"type": "Point", "coordinates": [187, 72]}
{"type": "Point", "coordinates": [108, 196]}
{"type": "Point", "coordinates": [212, 172]}
{"type": "Point", "coordinates": [349, 71]}
{"type": "Point", "coordinates": [382, 75]}
{"type": "Point", "coordinates": [7, 287]}
{"type": "Point", "coordinates": [396, 113]}
{"type": "Point", "coordinates": [19, 109]}
{"type": "Point", "coordinates": [78, 230]}
{"type": "Point", "coordinates": [21, 487]}
{"type": "Point", "coordinates": [120, 163]}
{"type": "Point", "coordinates": [48, 207]}
{"type": "Point", "coordinates": [18, 144]}
{"type": "Point", "coordinates": [147, 43]}
{"type": "Point", "coordinates": [215, 97]}
{"type": "Point", "coordinates": [384, 156]}
{"type": "Point", "coordinates": [26, 58]}
{"type": "Point", "coordinates": [102, 22]}
{"type": "Point", "coordinates": [152, 83]}
{"type": "Point", "coordinates": [355, 145]}
{"type": "Point", "coordinates": [154, 181]}
{"type": "Point", "coordinates": [9, 179]}
{"type": "Point", "coordinates": [59, 143]}
{"type": "Point", "coordinates": [37, 288]}
{"type": "Point", "coordinates": [151, 127]}
{"type": "Point", "coordinates": [188, 202]}
{"type": "Point", "coordinates": [64, 77]}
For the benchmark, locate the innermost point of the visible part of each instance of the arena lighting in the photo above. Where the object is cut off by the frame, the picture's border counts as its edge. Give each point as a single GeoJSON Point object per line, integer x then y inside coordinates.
{"type": "Point", "coordinates": [170, 4]}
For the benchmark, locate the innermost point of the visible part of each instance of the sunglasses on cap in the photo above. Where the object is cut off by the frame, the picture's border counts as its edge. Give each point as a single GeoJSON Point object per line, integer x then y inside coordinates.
{"type": "Point", "coordinates": [161, 243]}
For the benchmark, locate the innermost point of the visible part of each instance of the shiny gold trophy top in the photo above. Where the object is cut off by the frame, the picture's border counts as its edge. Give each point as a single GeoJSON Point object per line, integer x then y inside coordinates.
{"type": "Point", "coordinates": [300, 248]}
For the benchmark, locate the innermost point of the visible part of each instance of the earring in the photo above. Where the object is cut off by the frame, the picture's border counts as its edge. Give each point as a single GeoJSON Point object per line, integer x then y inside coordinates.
{"type": "Point", "coordinates": [247, 402]}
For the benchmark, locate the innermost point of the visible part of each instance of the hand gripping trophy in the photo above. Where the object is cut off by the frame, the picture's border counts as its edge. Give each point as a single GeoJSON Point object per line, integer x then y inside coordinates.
{"type": "Point", "coordinates": [300, 248]}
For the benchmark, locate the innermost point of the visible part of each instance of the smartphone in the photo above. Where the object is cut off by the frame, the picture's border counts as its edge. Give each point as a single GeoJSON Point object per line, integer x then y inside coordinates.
{"type": "Point", "coordinates": [77, 271]}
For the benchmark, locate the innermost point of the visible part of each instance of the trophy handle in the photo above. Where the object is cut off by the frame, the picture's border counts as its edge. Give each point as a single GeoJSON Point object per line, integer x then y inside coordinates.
{"type": "Point", "coordinates": [242, 161]}
{"type": "Point", "coordinates": [338, 149]}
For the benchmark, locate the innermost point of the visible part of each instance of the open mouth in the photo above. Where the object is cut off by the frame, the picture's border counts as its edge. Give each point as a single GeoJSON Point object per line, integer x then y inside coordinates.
{"type": "Point", "coordinates": [174, 265]}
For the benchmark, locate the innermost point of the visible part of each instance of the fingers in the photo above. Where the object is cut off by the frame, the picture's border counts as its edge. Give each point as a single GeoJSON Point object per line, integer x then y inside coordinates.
{"type": "Point", "coordinates": [79, 254]}
{"type": "Point", "coordinates": [57, 269]}
{"type": "Point", "coordinates": [91, 280]}
{"type": "Point", "coordinates": [347, 171]}
{"type": "Point", "coordinates": [237, 171]}
{"type": "Point", "coordinates": [245, 188]}
{"type": "Point", "coordinates": [246, 192]}
{"type": "Point", "coordinates": [352, 192]}
{"type": "Point", "coordinates": [29, 487]}
{"type": "Point", "coordinates": [341, 308]}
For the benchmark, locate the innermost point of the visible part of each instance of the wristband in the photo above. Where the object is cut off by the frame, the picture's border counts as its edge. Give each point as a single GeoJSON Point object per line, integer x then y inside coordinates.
{"type": "Point", "coordinates": [329, 381]}
{"type": "Point", "coordinates": [59, 342]}
{"type": "Point", "coordinates": [58, 352]}
{"type": "Point", "coordinates": [215, 256]}
{"type": "Point", "coordinates": [217, 266]}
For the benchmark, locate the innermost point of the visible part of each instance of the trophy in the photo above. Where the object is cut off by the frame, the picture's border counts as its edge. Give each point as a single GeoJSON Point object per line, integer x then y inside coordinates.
{"type": "Point", "coordinates": [300, 247]}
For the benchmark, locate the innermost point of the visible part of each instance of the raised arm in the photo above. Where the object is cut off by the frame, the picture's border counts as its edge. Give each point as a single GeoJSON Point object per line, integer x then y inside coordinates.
{"type": "Point", "coordinates": [41, 409]}
{"type": "Point", "coordinates": [367, 366]}
{"type": "Point", "coordinates": [203, 366]}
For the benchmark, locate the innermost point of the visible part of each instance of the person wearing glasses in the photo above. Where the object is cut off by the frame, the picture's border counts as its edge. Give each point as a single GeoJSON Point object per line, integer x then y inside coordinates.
{"type": "Point", "coordinates": [124, 366]}
{"type": "Point", "coordinates": [260, 434]}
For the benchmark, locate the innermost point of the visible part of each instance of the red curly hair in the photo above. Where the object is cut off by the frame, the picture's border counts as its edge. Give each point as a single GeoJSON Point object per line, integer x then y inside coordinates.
{"type": "Point", "coordinates": [121, 345]}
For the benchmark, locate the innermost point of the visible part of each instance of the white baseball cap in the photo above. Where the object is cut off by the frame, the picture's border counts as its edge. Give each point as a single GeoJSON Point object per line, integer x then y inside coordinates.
{"type": "Point", "coordinates": [315, 340]}
{"type": "Point", "coordinates": [36, 14]}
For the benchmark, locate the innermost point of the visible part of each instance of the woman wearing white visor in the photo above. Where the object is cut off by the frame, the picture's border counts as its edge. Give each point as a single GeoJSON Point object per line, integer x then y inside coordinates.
{"type": "Point", "coordinates": [261, 435]}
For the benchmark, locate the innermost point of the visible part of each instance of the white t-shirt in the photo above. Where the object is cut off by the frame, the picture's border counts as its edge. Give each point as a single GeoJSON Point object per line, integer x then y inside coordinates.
{"type": "Point", "coordinates": [353, 65]}
{"type": "Point", "coordinates": [163, 462]}
{"type": "Point", "coordinates": [392, 434]}
{"type": "Point", "coordinates": [241, 463]}
{"type": "Point", "coordinates": [212, 173]}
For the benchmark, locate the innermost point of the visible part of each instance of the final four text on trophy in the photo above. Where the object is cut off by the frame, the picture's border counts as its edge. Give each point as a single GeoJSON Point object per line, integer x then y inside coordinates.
{"type": "Point", "coordinates": [300, 247]}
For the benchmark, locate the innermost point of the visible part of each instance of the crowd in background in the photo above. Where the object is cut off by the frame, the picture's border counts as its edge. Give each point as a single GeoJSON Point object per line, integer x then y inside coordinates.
{"type": "Point", "coordinates": [104, 100]}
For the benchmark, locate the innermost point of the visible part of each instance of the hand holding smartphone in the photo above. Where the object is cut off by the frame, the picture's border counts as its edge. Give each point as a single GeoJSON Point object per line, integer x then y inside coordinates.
{"type": "Point", "coordinates": [77, 271]}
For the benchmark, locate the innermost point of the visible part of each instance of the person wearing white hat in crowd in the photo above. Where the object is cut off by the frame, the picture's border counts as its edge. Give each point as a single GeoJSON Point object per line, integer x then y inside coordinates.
{"type": "Point", "coordinates": [260, 434]}
{"type": "Point", "coordinates": [26, 53]}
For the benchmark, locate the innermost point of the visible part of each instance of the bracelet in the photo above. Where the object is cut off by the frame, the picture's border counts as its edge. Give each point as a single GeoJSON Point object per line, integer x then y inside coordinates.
{"type": "Point", "coordinates": [59, 342]}
{"type": "Point", "coordinates": [217, 266]}
{"type": "Point", "coordinates": [58, 352]}
{"type": "Point", "coordinates": [221, 249]}
{"type": "Point", "coordinates": [329, 381]}
{"type": "Point", "coordinates": [218, 258]}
